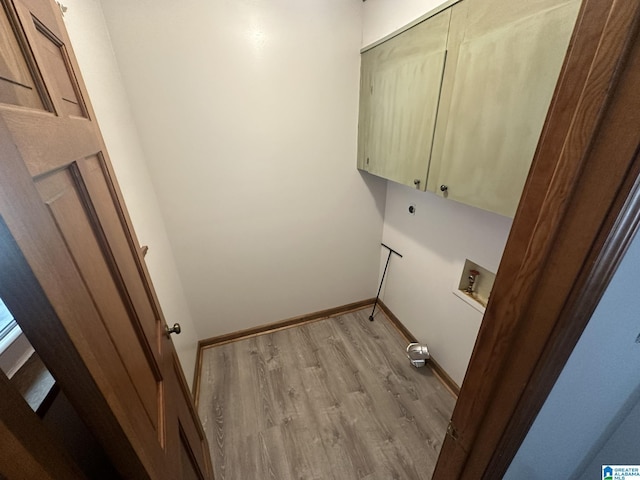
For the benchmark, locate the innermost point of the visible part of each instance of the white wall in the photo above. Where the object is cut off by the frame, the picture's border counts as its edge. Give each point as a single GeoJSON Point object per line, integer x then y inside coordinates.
{"type": "Point", "coordinates": [382, 17]}
{"type": "Point", "coordinates": [621, 446]}
{"type": "Point", "coordinates": [90, 39]}
{"type": "Point", "coordinates": [247, 113]}
{"type": "Point", "coordinates": [436, 241]}
{"type": "Point", "coordinates": [596, 390]}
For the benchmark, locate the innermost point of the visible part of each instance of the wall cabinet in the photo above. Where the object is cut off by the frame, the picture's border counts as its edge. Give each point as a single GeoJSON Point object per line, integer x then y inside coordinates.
{"type": "Point", "coordinates": [503, 58]}
{"type": "Point", "coordinates": [399, 93]}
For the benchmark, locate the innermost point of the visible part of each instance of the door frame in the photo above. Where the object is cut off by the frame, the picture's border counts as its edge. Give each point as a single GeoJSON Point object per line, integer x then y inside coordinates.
{"type": "Point", "coordinates": [579, 211]}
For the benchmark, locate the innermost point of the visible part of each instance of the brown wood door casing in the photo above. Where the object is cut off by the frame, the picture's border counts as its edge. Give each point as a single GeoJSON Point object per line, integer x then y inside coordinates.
{"type": "Point", "coordinates": [63, 208]}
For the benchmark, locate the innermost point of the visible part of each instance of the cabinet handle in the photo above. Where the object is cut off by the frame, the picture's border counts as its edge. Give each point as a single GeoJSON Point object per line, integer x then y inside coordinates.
{"type": "Point", "coordinates": [367, 160]}
{"type": "Point", "coordinates": [443, 188]}
{"type": "Point", "coordinates": [416, 182]}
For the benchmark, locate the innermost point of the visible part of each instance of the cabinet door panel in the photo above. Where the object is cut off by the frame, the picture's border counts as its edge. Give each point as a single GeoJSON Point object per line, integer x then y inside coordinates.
{"type": "Point", "coordinates": [399, 92]}
{"type": "Point", "coordinates": [504, 81]}
{"type": "Point", "coordinates": [404, 106]}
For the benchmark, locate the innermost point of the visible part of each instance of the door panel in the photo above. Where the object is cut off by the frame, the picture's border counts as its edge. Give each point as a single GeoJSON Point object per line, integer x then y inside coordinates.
{"type": "Point", "coordinates": [187, 435]}
{"type": "Point", "coordinates": [56, 65]}
{"type": "Point", "coordinates": [62, 205]}
{"type": "Point", "coordinates": [187, 463]}
{"type": "Point", "coordinates": [96, 181]}
{"type": "Point", "coordinates": [44, 31]}
{"type": "Point", "coordinates": [69, 207]}
{"type": "Point", "coordinates": [17, 86]}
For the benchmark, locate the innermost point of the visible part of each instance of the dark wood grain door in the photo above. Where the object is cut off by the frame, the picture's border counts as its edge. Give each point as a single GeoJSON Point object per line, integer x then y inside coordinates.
{"type": "Point", "coordinates": [61, 203]}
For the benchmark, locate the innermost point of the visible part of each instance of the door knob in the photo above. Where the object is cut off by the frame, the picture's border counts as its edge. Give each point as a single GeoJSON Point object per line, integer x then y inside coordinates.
{"type": "Point", "coordinates": [175, 329]}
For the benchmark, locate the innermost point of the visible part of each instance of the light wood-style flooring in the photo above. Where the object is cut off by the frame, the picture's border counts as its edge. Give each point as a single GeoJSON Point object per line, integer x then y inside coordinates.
{"type": "Point", "coordinates": [334, 399]}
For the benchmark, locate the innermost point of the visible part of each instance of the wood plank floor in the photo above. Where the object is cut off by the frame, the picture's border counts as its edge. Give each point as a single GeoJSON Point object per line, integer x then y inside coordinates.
{"type": "Point", "coordinates": [334, 399]}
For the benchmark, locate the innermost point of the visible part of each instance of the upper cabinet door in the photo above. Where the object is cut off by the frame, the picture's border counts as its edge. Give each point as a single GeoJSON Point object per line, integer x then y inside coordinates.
{"type": "Point", "coordinates": [399, 93]}
{"type": "Point", "coordinates": [505, 58]}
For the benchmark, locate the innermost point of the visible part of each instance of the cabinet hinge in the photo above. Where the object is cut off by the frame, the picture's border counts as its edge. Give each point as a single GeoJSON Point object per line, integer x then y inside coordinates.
{"type": "Point", "coordinates": [452, 431]}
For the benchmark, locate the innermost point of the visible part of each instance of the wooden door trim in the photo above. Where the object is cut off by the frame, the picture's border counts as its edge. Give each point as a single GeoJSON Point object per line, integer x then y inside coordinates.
{"type": "Point", "coordinates": [578, 212]}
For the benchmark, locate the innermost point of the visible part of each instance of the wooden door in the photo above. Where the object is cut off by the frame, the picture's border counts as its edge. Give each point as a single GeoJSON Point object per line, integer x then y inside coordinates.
{"type": "Point", "coordinates": [400, 89]}
{"type": "Point", "coordinates": [507, 61]}
{"type": "Point", "coordinates": [61, 204]}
